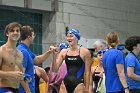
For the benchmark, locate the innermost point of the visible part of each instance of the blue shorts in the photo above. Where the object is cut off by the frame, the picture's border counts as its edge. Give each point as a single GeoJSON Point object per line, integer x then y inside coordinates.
{"type": "Point", "coordinates": [8, 89]}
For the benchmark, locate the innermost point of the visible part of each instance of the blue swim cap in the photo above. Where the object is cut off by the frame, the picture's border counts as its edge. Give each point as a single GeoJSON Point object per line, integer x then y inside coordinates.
{"type": "Point", "coordinates": [62, 45]}
{"type": "Point", "coordinates": [75, 32]}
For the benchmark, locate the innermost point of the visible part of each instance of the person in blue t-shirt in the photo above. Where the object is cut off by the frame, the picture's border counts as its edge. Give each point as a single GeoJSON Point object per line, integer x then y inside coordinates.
{"type": "Point", "coordinates": [27, 36]}
{"type": "Point", "coordinates": [113, 64]}
{"type": "Point", "coordinates": [132, 63]}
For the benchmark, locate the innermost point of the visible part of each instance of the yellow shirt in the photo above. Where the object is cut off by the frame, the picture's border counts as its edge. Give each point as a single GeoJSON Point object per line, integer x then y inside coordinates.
{"type": "Point", "coordinates": [95, 62]}
{"type": "Point", "coordinates": [43, 87]}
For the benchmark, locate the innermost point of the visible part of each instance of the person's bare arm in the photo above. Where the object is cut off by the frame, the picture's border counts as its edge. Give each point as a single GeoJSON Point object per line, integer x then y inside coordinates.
{"type": "Point", "coordinates": [23, 83]}
{"type": "Point", "coordinates": [56, 62]}
{"type": "Point", "coordinates": [25, 86]}
{"type": "Point", "coordinates": [131, 74]}
{"type": "Point", "coordinates": [41, 58]}
{"type": "Point", "coordinates": [88, 62]}
{"type": "Point", "coordinates": [91, 80]}
{"type": "Point", "coordinates": [120, 69]}
{"type": "Point", "coordinates": [44, 75]}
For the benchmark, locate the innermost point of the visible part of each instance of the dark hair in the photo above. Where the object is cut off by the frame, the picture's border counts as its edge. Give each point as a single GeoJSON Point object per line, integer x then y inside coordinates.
{"type": "Point", "coordinates": [131, 42]}
{"type": "Point", "coordinates": [66, 30]}
{"type": "Point", "coordinates": [10, 27]}
{"type": "Point", "coordinates": [47, 69]}
{"type": "Point", "coordinates": [26, 31]}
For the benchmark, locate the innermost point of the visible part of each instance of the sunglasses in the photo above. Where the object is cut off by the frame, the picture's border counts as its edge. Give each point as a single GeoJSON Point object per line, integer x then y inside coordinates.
{"type": "Point", "coordinates": [101, 51]}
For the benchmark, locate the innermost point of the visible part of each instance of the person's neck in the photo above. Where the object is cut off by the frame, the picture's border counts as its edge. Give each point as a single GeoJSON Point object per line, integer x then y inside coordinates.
{"type": "Point", "coordinates": [11, 44]}
{"type": "Point", "coordinates": [74, 47]}
{"type": "Point", "coordinates": [135, 52]}
{"type": "Point", "coordinates": [26, 42]}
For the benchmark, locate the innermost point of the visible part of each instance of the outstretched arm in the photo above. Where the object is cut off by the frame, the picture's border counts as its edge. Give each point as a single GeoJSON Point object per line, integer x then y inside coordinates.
{"type": "Point", "coordinates": [57, 61]}
{"type": "Point", "coordinates": [41, 58]}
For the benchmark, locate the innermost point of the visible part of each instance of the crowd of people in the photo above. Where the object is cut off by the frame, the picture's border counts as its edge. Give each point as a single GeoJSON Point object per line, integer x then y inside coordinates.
{"type": "Point", "coordinates": [73, 69]}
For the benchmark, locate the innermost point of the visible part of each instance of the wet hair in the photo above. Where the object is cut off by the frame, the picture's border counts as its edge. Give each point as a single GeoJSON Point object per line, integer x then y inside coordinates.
{"type": "Point", "coordinates": [10, 27]}
{"type": "Point", "coordinates": [131, 42]}
{"type": "Point", "coordinates": [112, 39]}
{"type": "Point", "coordinates": [26, 31]}
{"type": "Point", "coordinates": [66, 30]}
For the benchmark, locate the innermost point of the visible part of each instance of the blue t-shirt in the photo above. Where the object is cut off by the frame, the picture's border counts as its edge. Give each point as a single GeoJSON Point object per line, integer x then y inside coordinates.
{"type": "Point", "coordinates": [132, 61]}
{"type": "Point", "coordinates": [28, 64]}
{"type": "Point", "coordinates": [110, 59]}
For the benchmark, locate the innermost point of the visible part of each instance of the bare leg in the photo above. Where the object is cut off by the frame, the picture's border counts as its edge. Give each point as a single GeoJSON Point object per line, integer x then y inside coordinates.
{"type": "Point", "coordinates": [79, 88]}
{"type": "Point", "coordinates": [63, 88]}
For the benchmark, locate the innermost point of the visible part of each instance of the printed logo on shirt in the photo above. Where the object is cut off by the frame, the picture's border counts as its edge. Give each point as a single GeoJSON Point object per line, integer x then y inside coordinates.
{"type": "Point", "coordinates": [72, 58]}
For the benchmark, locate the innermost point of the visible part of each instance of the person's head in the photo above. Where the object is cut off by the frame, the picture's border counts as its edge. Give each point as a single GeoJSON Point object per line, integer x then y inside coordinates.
{"type": "Point", "coordinates": [63, 45]}
{"type": "Point", "coordinates": [100, 44]}
{"type": "Point", "coordinates": [100, 54]}
{"type": "Point", "coordinates": [12, 30]}
{"type": "Point", "coordinates": [132, 43]}
{"type": "Point", "coordinates": [72, 36]}
{"type": "Point", "coordinates": [27, 32]}
{"type": "Point", "coordinates": [112, 39]}
{"type": "Point", "coordinates": [47, 69]}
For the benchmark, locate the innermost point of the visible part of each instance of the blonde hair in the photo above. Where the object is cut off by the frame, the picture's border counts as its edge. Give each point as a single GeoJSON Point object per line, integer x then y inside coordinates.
{"type": "Point", "coordinates": [112, 39]}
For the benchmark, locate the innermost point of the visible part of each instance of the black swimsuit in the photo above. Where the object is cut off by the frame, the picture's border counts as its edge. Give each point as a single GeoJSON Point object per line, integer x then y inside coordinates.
{"type": "Point", "coordinates": [75, 72]}
{"type": "Point", "coordinates": [96, 78]}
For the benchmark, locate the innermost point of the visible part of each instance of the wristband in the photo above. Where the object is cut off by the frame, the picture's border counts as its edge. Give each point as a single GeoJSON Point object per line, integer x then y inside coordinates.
{"type": "Point", "coordinates": [126, 88]}
{"type": "Point", "coordinates": [27, 78]}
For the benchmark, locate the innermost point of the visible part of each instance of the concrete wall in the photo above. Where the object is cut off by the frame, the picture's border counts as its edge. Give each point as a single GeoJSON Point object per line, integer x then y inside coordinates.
{"type": "Point", "coordinates": [46, 5]}
{"type": "Point", "coordinates": [95, 18]}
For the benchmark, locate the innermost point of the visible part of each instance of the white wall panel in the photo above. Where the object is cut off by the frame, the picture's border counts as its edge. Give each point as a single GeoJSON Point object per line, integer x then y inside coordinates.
{"type": "Point", "coordinates": [42, 4]}
{"type": "Point", "coordinates": [109, 4]}
{"type": "Point", "coordinates": [19, 3]}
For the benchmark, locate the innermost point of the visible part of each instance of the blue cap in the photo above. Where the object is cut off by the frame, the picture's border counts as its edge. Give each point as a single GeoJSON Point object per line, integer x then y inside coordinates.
{"type": "Point", "coordinates": [75, 32]}
{"type": "Point", "coordinates": [62, 45]}
{"type": "Point", "coordinates": [121, 47]}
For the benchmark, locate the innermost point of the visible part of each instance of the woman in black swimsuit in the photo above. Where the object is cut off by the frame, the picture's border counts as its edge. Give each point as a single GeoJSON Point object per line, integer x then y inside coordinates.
{"type": "Point", "coordinates": [78, 62]}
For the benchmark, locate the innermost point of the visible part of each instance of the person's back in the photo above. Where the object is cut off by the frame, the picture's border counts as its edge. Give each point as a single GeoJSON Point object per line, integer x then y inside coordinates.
{"type": "Point", "coordinates": [113, 64]}
{"type": "Point", "coordinates": [109, 61]}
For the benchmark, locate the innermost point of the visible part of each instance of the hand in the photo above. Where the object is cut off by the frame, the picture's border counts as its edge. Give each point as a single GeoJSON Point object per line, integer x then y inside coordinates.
{"type": "Point", "coordinates": [100, 74]}
{"type": "Point", "coordinates": [54, 49]}
{"type": "Point", "coordinates": [127, 91]}
{"type": "Point", "coordinates": [18, 75]}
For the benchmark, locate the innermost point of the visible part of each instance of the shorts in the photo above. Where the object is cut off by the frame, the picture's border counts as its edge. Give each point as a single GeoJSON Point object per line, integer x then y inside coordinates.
{"type": "Point", "coordinates": [8, 89]}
